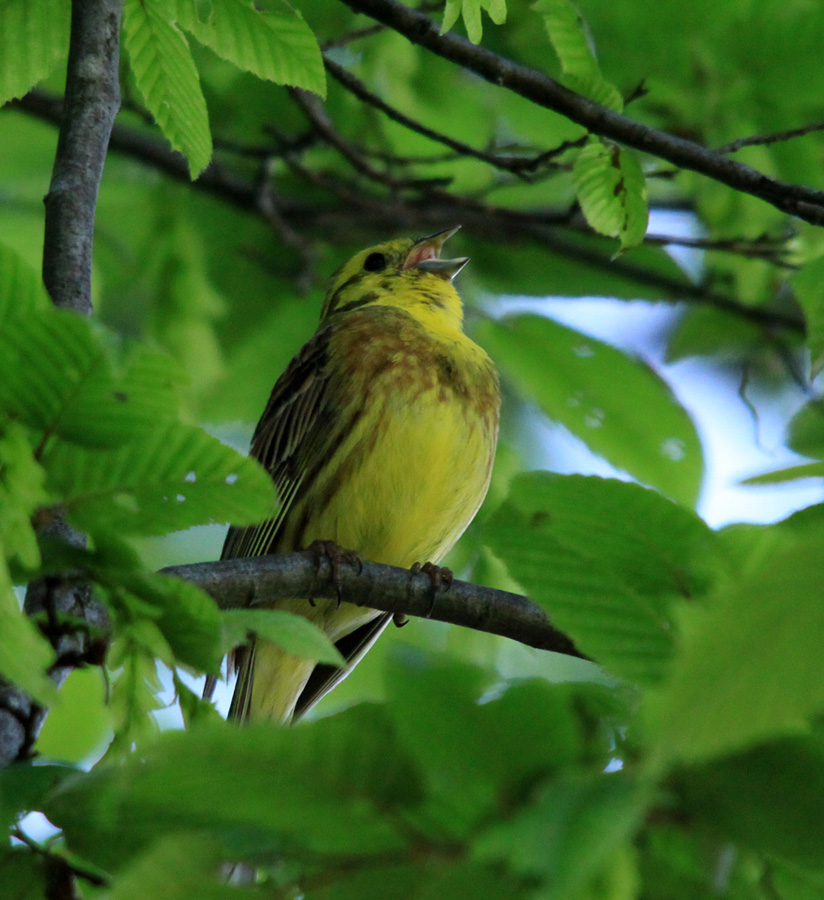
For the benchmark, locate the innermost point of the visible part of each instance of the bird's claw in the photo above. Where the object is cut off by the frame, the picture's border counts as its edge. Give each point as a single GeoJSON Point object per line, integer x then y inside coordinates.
{"type": "Point", "coordinates": [336, 555]}
{"type": "Point", "coordinates": [440, 579]}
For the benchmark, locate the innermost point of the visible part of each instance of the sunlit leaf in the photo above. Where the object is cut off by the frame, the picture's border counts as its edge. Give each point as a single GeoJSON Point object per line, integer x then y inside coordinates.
{"type": "Point", "coordinates": [168, 80]}
{"type": "Point", "coordinates": [33, 38]}
{"type": "Point", "coordinates": [616, 404]}
{"type": "Point", "coordinates": [606, 559]}
{"type": "Point", "coordinates": [21, 492]}
{"type": "Point", "coordinates": [470, 10]}
{"type": "Point", "coordinates": [280, 47]}
{"type": "Point", "coordinates": [749, 665]}
{"type": "Point", "coordinates": [612, 191]}
{"type": "Point", "coordinates": [21, 289]}
{"type": "Point", "coordinates": [60, 379]}
{"type": "Point", "coordinates": [177, 477]}
{"type": "Point", "coordinates": [572, 42]}
{"type": "Point", "coordinates": [25, 655]}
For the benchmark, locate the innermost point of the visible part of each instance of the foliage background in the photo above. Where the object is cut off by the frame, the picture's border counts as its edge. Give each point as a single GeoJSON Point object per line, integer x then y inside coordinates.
{"type": "Point", "coordinates": [690, 763]}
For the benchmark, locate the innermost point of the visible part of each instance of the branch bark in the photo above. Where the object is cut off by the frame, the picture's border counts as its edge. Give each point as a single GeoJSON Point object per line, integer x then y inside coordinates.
{"type": "Point", "coordinates": [798, 200]}
{"type": "Point", "coordinates": [262, 580]}
{"type": "Point", "coordinates": [91, 104]}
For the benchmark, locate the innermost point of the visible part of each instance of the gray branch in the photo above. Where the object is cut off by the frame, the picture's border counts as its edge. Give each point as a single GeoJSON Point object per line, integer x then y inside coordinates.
{"type": "Point", "coordinates": [798, 200]}
{"type": "Point", "coordinates": [263, 580]}
{"type": "Point", "coordinates": [91, 104]}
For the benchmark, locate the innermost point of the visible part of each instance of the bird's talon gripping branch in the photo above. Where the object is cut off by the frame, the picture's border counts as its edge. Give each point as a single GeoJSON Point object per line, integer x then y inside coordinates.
{"type": "Point", "coordinates": [336, 555]}
{"type": "Point", "coordinates": [440, 579]}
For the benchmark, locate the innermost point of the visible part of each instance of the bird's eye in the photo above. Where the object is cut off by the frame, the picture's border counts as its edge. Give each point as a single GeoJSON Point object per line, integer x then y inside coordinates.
{"type": "Point", "coordinates": [375, 262]}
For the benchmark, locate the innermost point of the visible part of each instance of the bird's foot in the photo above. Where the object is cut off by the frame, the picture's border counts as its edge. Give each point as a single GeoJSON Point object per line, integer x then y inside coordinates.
{"type": "Point", "coordinates": [337, 556]}
{"type": "Point", "coordinates": [440, 579]}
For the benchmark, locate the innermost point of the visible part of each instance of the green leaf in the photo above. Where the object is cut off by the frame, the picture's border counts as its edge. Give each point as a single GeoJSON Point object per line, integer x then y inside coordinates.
{"type": "Point", "coordinates": [606, 559]}
{"type": "Point", "coordinates": [793, 473]}
{"type": "Point", "coordinates": [471, 751]}
{"type": "Point", "coordinates": [331, 785]}
{"type": "Point", "coordinates": [572, 42]}
{"type": "Point", "coordinates": [34, 37]}
{"type": "Point", "coordinates": [768, 798]}
{"type": "Point", "coordinates": [22, 787]}
{"type": "Point", "coordinates": [60, 380]}
{"type": "Point", "coordinates": [177, 477]}
{"type": "Point", "coordinates": [21, 288]}
{"type": "Point", "coordinates": [175, 867]}
{"type": "Point", "coordinates": [82, 721]}
{"type": "Point", "coordinates": [496, 10]}
{"type": "Point", "coordinates": [808, 284]}
{"type": "Point", "coordinates": [186, 616]}
{"type": "Point", "coordinates": [25, 655]}
{"type": "Point", "coordinates": [612, 191]}
{"type": "Point", "coordinates": [167, 79]}
{"type": "Point", "coordinates": [292, 633]}
{"type": "Point", "coordinates": [709, 331]}
{"type": "Point", "coordinates": [471, 12]}
{"type": "Point", "coordinates": [806, 432]}
{"type": "Point", "coordinates": [136, 686]}
{"type": "Point", "coordinates": [600, 91]}
{"type": "Point", "coordinates": [749, 667]}
{"type": "Point", "coordinates": [570, 832]}
{"type": "Point", "coordinates": [194, 708]}
{"type": "Point", "coordinates": [21, 492]}
{"type": "Point", "coordinates": [451, 14]}
{"type": "Point", "coordinates": [22, 874]}
{"type": "Point", "coordinates": [279, 47]}
{"type": "Point", "coordinates": [616, 404]}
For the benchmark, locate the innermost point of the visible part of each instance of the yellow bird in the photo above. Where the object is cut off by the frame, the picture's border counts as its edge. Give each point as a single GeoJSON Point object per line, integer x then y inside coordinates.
{"type": "Point", "coordinates": [379, 436]}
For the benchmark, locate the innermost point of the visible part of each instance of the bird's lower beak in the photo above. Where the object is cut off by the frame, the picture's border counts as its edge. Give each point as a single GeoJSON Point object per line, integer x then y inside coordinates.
{"type": "Point", "coordinates": [426, 255]}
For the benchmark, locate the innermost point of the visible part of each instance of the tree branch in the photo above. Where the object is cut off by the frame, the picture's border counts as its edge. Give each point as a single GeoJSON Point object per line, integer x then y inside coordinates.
{"type": "Point", "coordinates": [798, 200]}
{"type": "Point", "coordinates": [263, 580]}
{"type": "Point", "coordinates": [428, 212]}
{"type": "Point", "coordinates": [91, 104]}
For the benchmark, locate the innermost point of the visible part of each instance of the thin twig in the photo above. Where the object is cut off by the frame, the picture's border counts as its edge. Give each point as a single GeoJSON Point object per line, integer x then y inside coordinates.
{"type": "Point", "coordinates": [766, 248]}
{"type": "Point", "coordinates": [76, 870]}
{"type": "Point", "coordinates": [516, 165]}
{"type": "Point", "coordinates": [773, 138]}
{"type": "Point", "coordinates": [317, 115]}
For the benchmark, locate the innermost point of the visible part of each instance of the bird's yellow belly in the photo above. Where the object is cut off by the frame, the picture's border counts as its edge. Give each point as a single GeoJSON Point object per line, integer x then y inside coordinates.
{"type": "Point", "coordinates": [418, 485]}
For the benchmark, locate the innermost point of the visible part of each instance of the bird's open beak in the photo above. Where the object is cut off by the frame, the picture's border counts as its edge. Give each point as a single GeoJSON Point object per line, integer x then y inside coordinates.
{"type": "Point", "coordinates": [426, 255]}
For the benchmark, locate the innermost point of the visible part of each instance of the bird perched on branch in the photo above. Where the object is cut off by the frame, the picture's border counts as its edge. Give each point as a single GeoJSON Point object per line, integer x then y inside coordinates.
{"type": "Point", "coordinates": [379, 437]}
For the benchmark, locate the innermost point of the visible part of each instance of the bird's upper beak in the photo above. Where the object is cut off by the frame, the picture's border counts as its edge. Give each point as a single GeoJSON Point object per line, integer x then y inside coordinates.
{"type": "Point", "coordinates": [426, 255]}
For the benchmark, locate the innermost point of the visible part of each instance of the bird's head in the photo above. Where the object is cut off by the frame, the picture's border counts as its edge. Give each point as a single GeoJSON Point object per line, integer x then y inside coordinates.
{"type": "Point", "coordinates": [400, 273]}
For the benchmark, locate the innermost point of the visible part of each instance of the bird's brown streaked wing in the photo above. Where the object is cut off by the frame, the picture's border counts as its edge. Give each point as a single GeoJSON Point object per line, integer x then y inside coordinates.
{"type": "Point", "coordinates": [289, 417]}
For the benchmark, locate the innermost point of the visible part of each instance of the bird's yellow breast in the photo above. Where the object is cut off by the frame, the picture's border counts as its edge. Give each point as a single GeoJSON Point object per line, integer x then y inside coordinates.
{"type": "Point", "coordinates": [415, 466]}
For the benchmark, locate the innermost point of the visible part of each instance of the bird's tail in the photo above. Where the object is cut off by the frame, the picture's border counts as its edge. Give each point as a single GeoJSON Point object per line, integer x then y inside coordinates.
{"type": "Point", "coordinates": [269, 682]}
